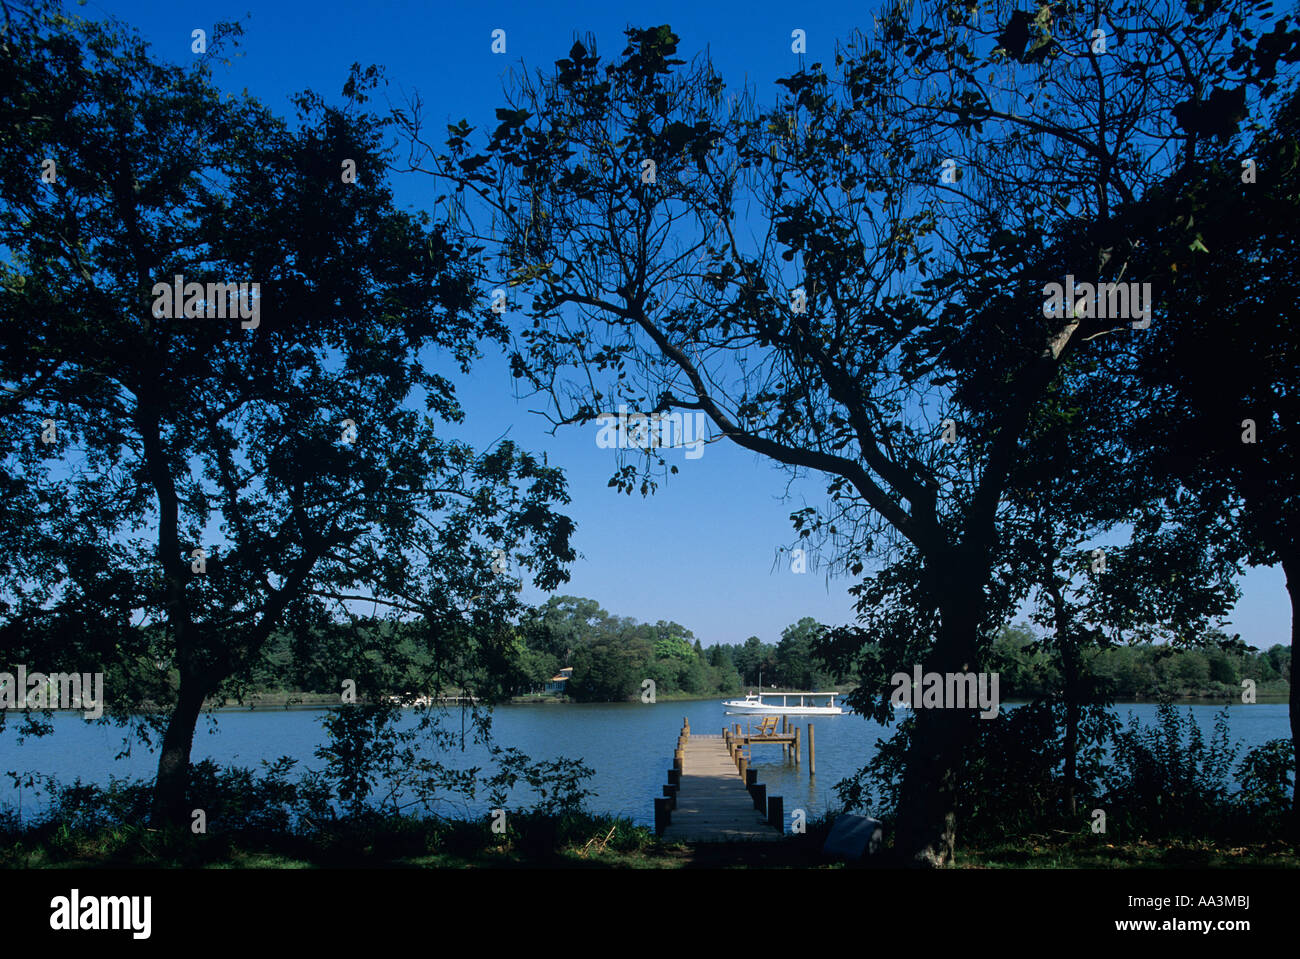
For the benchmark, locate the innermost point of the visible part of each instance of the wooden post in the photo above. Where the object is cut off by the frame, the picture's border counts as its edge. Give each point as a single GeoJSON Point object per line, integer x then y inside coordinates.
{"type": "Point", "coordinates": [678, 760]}
{"type": "Point", "coordinates": [675, 777]}
{"type": "Point", "coordinates": [670, 791]}
{"type": "Point", "coordinates": [663, 814]}
{"type": "Point", "coordinates": [796, 745]}
{"type": "Point", "coordinates": [785, 731]}
{"type": "Point", "coordinates": [776, 812]}
{"type": "Point", "coordinates": [759, 792]}
{"type": "Point", "coordinates": [751, 777]}
{"type": "Point", "coordinates": [812, 753]}
{"type": "Point", "coordinates": [744, 768]}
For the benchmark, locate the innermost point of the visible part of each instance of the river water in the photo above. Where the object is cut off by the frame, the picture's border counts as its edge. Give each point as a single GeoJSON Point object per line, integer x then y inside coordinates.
{"type": "Point", "coordinates": [629, 745]}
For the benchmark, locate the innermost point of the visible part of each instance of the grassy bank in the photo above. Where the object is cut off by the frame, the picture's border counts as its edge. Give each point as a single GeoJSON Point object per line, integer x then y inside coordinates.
{"type": "Point", "coordinates": [567, 842]}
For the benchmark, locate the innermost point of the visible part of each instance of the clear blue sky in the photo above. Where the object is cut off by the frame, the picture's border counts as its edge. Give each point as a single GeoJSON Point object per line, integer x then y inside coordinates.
{"type": "Point", "coordinates": [702, 550]}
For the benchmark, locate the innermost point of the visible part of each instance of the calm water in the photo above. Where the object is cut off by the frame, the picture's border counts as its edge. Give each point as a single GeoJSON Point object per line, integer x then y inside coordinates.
{"type": "Point", "coordinates": [628, 745]}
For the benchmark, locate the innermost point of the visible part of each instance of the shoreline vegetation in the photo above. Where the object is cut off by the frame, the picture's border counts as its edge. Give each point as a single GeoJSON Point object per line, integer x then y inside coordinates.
{"type": "Point", "coordinates": [1175, 798]}
{"type": "Point", "coordinates": [578, 841]}
{"type": "Point", "coordinates": [611, 657]}
{"type": "Point", "coordinates": [292, 701]}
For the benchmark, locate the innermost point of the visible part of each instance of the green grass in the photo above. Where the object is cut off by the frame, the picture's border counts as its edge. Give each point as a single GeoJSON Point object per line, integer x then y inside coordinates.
{"type": "Point", "coordinates": [579, 841]}
{"type": "Point", "coordinates": [1087, 851]}
{"type": "Point", "coordinates": [570, 842]}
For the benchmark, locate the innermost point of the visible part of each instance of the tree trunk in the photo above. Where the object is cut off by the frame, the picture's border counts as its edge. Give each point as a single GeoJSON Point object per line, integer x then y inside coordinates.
{"type": "Point", "coordinates": [927, 814]}
{"type": "Point", "coordinates": [1292, 569]}
{"type": "Point", "coordinates": [1069, 652]}
{"type": "Point", "coordinates": [170, 795]}
{"type": "Point", "coordinates": [1070, 670]}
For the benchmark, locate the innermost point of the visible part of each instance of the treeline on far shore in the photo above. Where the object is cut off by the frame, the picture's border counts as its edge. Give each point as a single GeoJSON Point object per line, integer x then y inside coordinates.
{"type": "Point", "coordinates": [1213, 669]}
{"type": "Point", "coordinates": [607, 658]}
{"type": "Point", "coordinates": [611, 657]}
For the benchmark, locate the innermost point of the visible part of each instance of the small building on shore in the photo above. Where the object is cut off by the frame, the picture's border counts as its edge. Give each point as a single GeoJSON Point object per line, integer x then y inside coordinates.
{"type": "Point", "coordinates": [560, 681]}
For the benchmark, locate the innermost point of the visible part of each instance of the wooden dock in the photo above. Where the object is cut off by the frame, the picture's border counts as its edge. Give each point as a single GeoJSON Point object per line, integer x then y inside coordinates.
{"type": "Point", "coordinates": [712, 796]}
{"type": "Point", "coordinates": [787, 739]}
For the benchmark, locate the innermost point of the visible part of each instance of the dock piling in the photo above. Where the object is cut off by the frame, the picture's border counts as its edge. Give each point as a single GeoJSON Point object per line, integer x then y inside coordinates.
{"type": "Point", "coordinates": [663, 814]}
{"type": "Point", "coordinates": [776, 812]}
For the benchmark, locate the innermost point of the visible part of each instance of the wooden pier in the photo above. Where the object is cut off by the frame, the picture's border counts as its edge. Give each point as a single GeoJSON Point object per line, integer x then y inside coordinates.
{"type": "Point", "coordinates": [788, 738]}
{"type": "Point", "coordinates": [711, 795]}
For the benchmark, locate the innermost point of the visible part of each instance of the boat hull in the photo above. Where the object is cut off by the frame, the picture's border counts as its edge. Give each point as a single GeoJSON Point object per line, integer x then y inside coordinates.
{"type": "Point", "coordinates": [738, 708]}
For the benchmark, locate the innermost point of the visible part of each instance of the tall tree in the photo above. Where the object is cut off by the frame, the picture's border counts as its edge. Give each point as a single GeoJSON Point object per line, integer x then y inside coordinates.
{"type": "Point", "coordinates": [833, 326]}
{"type": "Point", "coordinates": [564, 623]}
{"type": "Point", "coordinates": [796, 661]}
{"type": "Point", "coordinates": [188, 474]}
{"type": "Point", "coordinates": [1222, 376]}
{"type": "Point", "coordinates": [1102, 550]}
{"type": "Point", "coordinates": [752, 658]}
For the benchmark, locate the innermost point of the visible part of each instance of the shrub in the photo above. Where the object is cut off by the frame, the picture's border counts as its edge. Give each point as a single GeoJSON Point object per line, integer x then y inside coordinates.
{"type": "Point", "coordinates": [1267, 777]}
{"type": "Point", "coordinates": [1167, 779]}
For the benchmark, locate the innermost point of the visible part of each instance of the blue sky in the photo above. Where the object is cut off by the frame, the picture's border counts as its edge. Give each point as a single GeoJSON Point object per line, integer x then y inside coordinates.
{"type": "Point", "coordinates": [703, 550]}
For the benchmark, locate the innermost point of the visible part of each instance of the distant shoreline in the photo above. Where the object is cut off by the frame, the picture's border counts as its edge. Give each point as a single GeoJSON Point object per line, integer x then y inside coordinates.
{"type": "Point", "coordinates": [296, 702]}
{"type": "Point", "coordinates": [322, 701]}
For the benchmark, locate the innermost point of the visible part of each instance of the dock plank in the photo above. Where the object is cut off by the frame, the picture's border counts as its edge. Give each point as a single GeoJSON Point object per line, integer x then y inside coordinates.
{"type": "Point", "coordinates": [713, 804]}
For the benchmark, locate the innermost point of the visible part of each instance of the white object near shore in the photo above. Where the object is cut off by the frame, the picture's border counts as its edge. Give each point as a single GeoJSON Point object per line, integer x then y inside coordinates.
{"type": "Point", "coordinates": [755, 703]}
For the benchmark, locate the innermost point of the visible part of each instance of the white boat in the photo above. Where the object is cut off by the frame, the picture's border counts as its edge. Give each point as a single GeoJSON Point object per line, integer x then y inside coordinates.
{"type": "Point", "coordinates": [755, 703]}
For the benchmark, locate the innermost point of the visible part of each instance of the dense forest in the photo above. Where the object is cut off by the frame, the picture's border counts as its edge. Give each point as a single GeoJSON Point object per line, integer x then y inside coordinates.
{"type": "Point", "coordinates": [1144, 671]}
{"type": "Point", "coordinates": [612, 656]}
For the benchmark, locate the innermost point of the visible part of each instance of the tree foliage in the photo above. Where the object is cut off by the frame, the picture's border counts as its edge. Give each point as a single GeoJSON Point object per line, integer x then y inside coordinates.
{"type": "Point", "coordinates": [203, 480]}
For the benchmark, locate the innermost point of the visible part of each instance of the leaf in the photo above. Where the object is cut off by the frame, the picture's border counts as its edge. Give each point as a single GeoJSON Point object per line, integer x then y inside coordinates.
{"type": "Point", "coordinates": [1015, 36]}
{"type": "Point", "coordinates": [1218, 115]}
